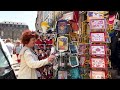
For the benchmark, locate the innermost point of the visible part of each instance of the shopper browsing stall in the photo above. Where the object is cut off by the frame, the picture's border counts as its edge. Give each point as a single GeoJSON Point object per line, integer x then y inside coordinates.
{"type": "Point", "coordinates": [29, 59]}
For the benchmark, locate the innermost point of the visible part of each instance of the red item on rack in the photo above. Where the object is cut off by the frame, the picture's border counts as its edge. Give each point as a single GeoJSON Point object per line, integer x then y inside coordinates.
{"type": "Point", "coordinates": [50, 41]}
{"type": "Point", "coordinates": [74, 22]}
{"type": "Point", "coordinates": [74, 26]}
{"type": "Point", "coordinates": [111, 19]}
{"type": "Point", "coordinates": [41, 46]}
{"type": "Point", "coordinates": [39, 41]}
{"type": "Point", "coordinates": [47, 41]}
{"type": "Point", "coordinates": [76, 16]}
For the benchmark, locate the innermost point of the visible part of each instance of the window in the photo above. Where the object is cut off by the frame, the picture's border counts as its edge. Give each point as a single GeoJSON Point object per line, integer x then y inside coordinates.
{"type": "Point", "coordinates": [21, 26]}
{"type": "Point", "coordinates": [4, 55]}
{"type": "Point", "coordinates": [3, 25]}
{"type": "Point", "coordinates": [8, 25]}
{"type": "Point", "coordinates": [17, 26]}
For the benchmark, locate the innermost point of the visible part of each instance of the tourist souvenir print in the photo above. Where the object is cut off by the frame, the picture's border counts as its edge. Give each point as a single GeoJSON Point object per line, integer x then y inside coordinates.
{"type": "Point", "coordinates": [97, 37]}
{"type": "Point", "coordinates": [73, 49]}
{"type": "Point", "coordinates": [82, 60]}
{"type": "Point", "coordinates": [81, 49]}
{"type": "Point", "coordinates": [94, 15]}
{"type": "Point", "coordinates": [97, 75]}
{"type": "Point", "coordinates": [62, 27]}
{"type": "Point", "coordinates": [98, 62]}
{"type": "Point", "coordinates": [62, 74]}
{"type": "Point", "coordinates": [62, 43]}
{"type": "Point", "coordinates": [98, 24]}
{"type": "Point", "coordinates": [73, 60]}
{"type": "Point", "coordinates": [97, 49]}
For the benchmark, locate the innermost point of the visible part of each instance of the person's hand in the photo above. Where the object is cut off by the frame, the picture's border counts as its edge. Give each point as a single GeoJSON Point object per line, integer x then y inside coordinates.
{"type": "Point", "coordinates": [51, 58]}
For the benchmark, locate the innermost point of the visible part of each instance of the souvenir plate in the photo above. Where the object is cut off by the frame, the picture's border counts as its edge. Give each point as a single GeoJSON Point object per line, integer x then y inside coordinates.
{"type": "Point", "coordinates": [97, 49]}
{"type": "Point", "coordinates": [98, 62]}
{"type": "Point", "coordinates": [97, 37]}
{"type": "Point", "coordinates": [97, 24]}
{"type": "Point", "coordinates": [97, 75]}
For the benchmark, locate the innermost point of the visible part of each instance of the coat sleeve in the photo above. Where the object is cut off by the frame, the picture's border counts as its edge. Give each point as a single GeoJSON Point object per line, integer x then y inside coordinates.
{"type": "Point", "coordinates": [33, 63]}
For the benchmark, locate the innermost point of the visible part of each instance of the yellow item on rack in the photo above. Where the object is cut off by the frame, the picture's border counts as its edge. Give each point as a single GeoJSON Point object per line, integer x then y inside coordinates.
{"type": "Point", "coordinates": [61, 43]}
{"type": "Point", "coordinates": [44, 24]}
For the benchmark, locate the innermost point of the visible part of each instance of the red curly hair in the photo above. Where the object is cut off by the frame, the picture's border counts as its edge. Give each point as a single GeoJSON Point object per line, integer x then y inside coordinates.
{"type": "Point", "coordinates": [27, 35]}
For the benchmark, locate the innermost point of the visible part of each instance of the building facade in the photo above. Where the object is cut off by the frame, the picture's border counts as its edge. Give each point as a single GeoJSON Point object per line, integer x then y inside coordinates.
{"type": "Point", "coordinates": [49, 16]}
{"type": "Point", "coordinates": [12, 30]}
{"type": "Point", "coordinates": [39, 19]}
{"type": "Point", "coordinates": [44, 16]}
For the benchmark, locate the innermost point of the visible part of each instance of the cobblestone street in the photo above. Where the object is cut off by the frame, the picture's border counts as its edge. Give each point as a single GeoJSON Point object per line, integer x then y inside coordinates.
{"type": "Point", "coordinates": [15, 65]}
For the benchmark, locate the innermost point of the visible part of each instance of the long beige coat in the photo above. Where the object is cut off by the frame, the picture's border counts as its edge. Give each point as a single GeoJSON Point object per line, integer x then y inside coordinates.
{"type": "Point", "coordinates": [29, 63]}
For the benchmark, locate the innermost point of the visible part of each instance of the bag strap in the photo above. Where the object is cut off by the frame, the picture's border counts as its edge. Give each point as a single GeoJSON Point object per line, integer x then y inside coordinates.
{"type": "Point", "coordinates": [117, 16]}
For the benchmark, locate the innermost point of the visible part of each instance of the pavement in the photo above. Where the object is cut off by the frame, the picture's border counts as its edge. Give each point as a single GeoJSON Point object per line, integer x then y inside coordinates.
{"type": "Point", "coordinates": [15, 65]}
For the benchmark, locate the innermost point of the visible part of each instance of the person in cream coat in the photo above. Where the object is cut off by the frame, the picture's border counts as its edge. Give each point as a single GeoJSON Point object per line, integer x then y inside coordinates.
{"type": "Point", "coordinates": [29, 59]}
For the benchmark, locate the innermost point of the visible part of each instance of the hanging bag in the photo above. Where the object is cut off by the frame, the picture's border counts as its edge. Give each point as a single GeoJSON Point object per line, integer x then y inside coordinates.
{"type": "Point", "coordinates": [116, 25]}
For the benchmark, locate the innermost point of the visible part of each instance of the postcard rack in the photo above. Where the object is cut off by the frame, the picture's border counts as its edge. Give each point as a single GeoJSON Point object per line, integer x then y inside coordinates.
{"type": "Point", "coordinates": [42, 49]}
{"type": "Point", "coordinates": [66, 45]}
{"type": "Point", "coordinates": [83, 49]}
{"type": "Point", "coordinates": [99, 50]}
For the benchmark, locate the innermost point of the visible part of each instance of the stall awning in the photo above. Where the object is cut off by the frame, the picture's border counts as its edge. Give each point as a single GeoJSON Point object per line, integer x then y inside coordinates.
{"type": "Point", "coordinates": [74, 22]}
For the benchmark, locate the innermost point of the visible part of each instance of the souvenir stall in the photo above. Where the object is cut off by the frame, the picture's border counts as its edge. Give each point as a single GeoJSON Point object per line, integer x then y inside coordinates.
{"type": "Point", "coordinates": [67, 40]}
{"type": "Point", "coordinates": [42, 48]}
{"type": "Point", "coordinates": [81, 47]}
{"type": "Point", "coordinates": [63, 43]}
{"type": "Point", "coordinates": [99, 50]}
{"type": "Point", "coordinates": [93, 48]}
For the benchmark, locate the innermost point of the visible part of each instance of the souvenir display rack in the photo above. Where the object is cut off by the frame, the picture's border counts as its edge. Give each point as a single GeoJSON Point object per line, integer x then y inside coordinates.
{"type": "Point", "coordinates": [68, 57]}
{"type": "Point", "coordinates": [43, 48]}
{"type": "Point", "coordinates": [76, 55]}
{"type": "Point", "coordinates": [84, 47]}
{"type": "Point", "coordinates": [99, 50]}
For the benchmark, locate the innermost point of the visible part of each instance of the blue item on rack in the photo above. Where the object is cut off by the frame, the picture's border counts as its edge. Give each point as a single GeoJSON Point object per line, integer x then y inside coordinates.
{"type": "Point", "coordinates": [112, 34]}
{"type": "Point", "coordinates": [75, 73]}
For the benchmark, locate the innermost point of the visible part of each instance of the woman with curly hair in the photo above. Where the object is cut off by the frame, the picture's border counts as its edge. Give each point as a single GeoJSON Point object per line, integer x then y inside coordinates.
{"type": "Point", "coordinates": [29, 60]}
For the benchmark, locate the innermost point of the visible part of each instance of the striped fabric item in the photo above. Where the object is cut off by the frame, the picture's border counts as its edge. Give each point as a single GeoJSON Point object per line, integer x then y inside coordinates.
{"type": "Point", "coordinates": [111, 19]}
{"type": "Point", "coordinates": [16, 68]}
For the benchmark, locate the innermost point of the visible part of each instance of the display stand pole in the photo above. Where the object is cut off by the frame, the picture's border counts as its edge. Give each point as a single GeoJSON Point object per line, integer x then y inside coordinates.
{"type": "Point", "coordinates": [60, 63]}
